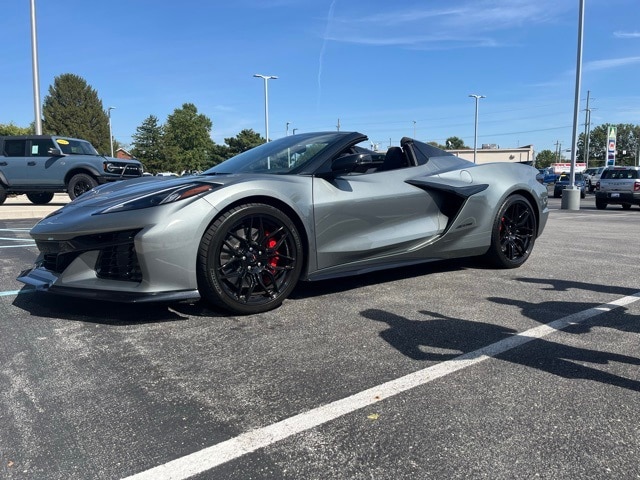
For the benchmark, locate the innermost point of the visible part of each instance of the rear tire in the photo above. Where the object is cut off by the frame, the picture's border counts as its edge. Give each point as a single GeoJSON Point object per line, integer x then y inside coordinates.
{"type": "Point", "coordinates": [79, 184]}
{"type": "Point", "coordinates": [40, 198]}
{"type": "Point", "coordinates": [601, 204]}
{"type": "Point", "coordinates": [250, 259]}
{"type": "Point", "coordinates": [3, 194]}
{"type": "Point", "coordinates": [626, 206]}
{"type": "Point", "coordinates": [513, 233]}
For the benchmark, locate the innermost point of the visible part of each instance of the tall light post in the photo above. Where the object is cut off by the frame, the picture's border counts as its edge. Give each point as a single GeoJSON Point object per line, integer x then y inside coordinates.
{"type": "Point", "coordinates": [475, 133]}
{"type": "Point", "coordinates": [110, 134]}
{"type": "Point", "coordinates": [36, 75]}
{"type": "Point", "coordinates": [266, 78]}
{"type": "Point", "coordinates": [571, 195]}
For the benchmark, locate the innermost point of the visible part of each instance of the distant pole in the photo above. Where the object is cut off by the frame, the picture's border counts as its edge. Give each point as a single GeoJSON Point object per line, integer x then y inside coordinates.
{"type": "Point", "coordinates": [287, 131]}
{"type": "Point", "coordinates": [414, 129]}
{"type": "Point", "coordinates": [338, 126]}
{"type": "Point", "coordinates": [36, 74]}
{"type": "Point", "coordinates": [587, 127]}
{"type": "Point", "coordinates": [110, 134]}
{"type": "Point", "coordinates": [475, 134]}
{"type": "Point", "coordinates": [266, 78]}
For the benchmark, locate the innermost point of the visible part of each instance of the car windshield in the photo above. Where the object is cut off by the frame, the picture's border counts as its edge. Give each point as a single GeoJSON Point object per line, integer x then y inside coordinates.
{"type": "Point", "coordinates": [565, 177]}
{"type": "Point", "coordinates": [280, 156]}
{"type": "Point", "coordinates": [71, 146]}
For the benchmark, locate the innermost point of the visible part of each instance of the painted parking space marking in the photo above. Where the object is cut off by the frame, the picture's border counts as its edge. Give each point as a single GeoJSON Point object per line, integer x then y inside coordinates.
{"type": "Point", "coordinates": [21, 239]}
{"type": "Point", "coordinates": [11, 293]}
{"type": "Point", "coordinates": [211, 457]}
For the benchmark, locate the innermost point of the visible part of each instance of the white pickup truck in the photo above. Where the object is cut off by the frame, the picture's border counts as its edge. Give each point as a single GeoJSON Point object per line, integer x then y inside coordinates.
{"type": "Point", "coordinates": [618, 186]}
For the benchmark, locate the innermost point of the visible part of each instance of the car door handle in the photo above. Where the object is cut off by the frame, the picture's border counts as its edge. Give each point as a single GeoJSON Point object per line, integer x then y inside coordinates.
{"type": "Point", "coordinates": [3, 164]}
{"type": "Point", "coordinates": [31, 163]}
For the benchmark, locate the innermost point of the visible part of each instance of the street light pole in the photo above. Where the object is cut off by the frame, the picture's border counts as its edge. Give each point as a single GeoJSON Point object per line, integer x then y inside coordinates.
{"type": "Point", "coordinates": [110, 134]}
{"type": "Point", "coordinates": [571, 195]}
{"type": "Point", "coordinates": [475, 134]}
{"type": "Point", "coordinates": [266, 78]}
{"type": "Point", "coordinates": [36, 74]}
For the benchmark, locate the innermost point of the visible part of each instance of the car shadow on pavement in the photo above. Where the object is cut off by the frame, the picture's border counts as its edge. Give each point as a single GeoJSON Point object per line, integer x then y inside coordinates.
{"type": "Point", "coordinates": [352, 282]}
{"type": "Point", "coordinates": [441, 338]}
{"type": "Point", "coordinates": [45, 305]}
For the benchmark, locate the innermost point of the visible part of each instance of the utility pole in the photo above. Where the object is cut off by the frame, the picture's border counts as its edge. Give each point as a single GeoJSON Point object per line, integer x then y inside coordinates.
{"type": "Point", "coordinates": [338, 126]}
{"type": "Point", "coordinates": [558, 149]}
{"type": "Point", "coordinates": [587, 128]}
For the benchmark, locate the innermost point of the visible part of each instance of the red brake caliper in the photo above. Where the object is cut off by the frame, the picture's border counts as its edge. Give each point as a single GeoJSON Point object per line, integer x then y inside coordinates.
{"type": "Point", "coordinates": [271, 243]}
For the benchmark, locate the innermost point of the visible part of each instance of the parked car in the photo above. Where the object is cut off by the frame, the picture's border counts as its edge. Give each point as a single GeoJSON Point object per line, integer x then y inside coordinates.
{"type": "Point", "coordinates": [618, 186]}
{"type": "Point", "coordinates": [564, 181]}
{"type": "Point", "coordinates": [310, 206]}
{"type": "Point", "coordinates": [592, 176]}
{"type": "Point", "coordinates": [546, 176]}
{"type": "Point", "coordinates": [41, 165]}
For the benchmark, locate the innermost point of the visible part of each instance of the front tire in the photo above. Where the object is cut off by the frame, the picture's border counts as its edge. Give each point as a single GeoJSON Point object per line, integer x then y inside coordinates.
{"type": "Point", "coordinates": [79, 184]}
{"type": "Point", "coordinates": [513, 233]}
{"type": "Point", "coordinates": [40, 198]}
{"type": "Point", "coordinates": [3, 194]}
{"type": "Point", "coordinates": [250, 259]}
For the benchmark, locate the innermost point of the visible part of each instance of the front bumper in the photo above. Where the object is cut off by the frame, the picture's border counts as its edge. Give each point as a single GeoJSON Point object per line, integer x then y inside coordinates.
{"type": "Point", "coordinates": [45, 280]}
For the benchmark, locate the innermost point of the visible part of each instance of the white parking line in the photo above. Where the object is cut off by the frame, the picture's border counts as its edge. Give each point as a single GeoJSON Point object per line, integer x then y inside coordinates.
{"type": "Point", "coordinates": [211, 457]}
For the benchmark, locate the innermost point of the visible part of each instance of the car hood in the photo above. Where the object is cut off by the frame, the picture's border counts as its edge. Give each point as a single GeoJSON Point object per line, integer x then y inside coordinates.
{"type": "Point", "coordinates": [113, 193]}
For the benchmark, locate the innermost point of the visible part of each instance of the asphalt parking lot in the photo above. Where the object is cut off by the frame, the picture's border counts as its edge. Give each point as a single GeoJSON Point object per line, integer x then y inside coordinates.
{"type": "Point", "coordinates": [446, 370]}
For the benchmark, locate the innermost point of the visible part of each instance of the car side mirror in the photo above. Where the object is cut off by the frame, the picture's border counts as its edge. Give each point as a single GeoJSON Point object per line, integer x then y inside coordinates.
{"type": "Point", "coordinates": [349, 163]}
{"type": "Point", "coordinates": [55, 152]}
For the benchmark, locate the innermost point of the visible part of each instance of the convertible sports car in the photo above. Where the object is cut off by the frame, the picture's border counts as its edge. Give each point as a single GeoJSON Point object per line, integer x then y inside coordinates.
{"type": "Point", "coordinates": [304, 207]}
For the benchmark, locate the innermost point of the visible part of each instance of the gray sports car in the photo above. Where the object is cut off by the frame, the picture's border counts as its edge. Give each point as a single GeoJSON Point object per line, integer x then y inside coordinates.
{"type": "Point", "coordinates": [304, 207]}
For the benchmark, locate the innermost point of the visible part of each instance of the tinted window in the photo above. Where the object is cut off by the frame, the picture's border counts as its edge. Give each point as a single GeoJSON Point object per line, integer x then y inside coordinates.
{"type": "Point", "coordinates": [621, 174]}
{"type": "Point", "coordinates": [40, 147]}
{"type": "Point", "coordinates": [14, 148]}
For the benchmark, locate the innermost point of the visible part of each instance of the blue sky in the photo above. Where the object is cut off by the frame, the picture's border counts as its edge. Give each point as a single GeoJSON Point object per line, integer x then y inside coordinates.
{"type": "Point", "coordinates": [386, 69]}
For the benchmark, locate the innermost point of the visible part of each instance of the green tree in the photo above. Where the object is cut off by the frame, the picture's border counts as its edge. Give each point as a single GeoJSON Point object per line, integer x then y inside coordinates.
{"type": "Point", "coordinates": [187, 140]}
{"type": "Point", "coordinates": [72, 108]}
{"type": "Point", "coordinates": [13, 129]}
{"type": "Point", "coordinates": [627, 141]}
{"type": "Point", "coordinates": [545, 158]}
{"type": "Point", "coordinates": [455, 143]}
{"type": "Point", "coordinates": [245, 140]}
{"type": "Point", "coordinates": [147, 144]}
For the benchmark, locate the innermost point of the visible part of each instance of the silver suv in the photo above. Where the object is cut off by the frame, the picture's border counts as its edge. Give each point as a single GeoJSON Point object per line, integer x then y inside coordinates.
{"type": "Point", "coordinates": [41, 165]}
{"type": "Point", "coordinates": [593, 175]}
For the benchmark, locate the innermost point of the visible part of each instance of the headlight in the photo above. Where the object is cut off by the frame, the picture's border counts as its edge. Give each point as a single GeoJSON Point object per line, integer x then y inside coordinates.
{"type": "Point", "coordinates": [162, 197]}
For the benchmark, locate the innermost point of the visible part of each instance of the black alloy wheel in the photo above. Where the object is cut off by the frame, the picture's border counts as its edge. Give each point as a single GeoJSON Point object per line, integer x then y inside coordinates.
{"type": "Point", "coordinates": [249, 259]}
{"type": "Point", "coordinates": [514, 233]}
{"type": "Point", "coordinates": [79, 184]}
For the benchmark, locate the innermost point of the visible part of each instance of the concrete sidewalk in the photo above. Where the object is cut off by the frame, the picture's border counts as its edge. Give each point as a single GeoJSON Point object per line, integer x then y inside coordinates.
{"type": "Point", "coordinates": [19, 206]}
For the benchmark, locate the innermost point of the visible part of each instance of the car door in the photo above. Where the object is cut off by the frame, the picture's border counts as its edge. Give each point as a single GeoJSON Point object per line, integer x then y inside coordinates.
{"type": "Point", "coordinates": [13, 162]}
{"type": "Point", "coordinates": [375, 217]}
{"type": "Point", "coordinates": [43, 169]}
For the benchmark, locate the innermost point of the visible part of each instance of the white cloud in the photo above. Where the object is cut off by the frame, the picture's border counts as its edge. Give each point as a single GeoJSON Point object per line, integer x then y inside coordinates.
{"type": "Point", "coordinates": [626, 34]}
{"type": "Point", "coordinates": [611, 63]}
